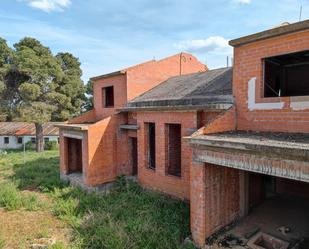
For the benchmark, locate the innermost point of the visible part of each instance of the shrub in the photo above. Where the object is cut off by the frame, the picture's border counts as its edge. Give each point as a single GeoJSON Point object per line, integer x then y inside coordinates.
{"type": "Point", "coordinates": [51, 145]}
{"type": "Point", "coordinates": [10, 198]}
{"type": "Point", "coordinates": [29, 146]}
{"type": "Point", "coordinates": [31, 202]}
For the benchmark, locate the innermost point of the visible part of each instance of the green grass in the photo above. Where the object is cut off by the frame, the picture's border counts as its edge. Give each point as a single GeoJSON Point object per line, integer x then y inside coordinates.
{"type": "Point", "coordinates": [2, 242]}
{"type": "Point", "coordinates": [128, 217]}
{"type": "Point", "coordinates": [11, 198]}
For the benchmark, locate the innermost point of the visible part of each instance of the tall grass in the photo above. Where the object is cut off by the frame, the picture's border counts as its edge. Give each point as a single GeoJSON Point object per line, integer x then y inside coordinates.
{"type": "Point", "coordinates": [11, 198]}
{"type": "Point", "coordinates": [128, 217]}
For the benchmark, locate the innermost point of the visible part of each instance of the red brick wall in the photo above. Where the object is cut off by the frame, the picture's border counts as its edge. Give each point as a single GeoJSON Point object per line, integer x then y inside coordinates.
{"type": "Point", "coordinates": [107, 150]}
{"type": "Point", "coordinates": [224, 121]}
{"type": "Point", "coordinates": [205, 117]}
{"type": "Point", "coordinates": [222, 197]}
{"type": "Point", "coordinates": [247, 65]}
{"type": "Point", "coordinates": [198, 202]}
{"type": "Point", "coordinates": [86, 117]}
{"type": "Point", "coordinates": [120, 94]}
{"type": "Point", "coordinates": [143, 77]}
{"type": "Point", "coordinates": [256, 190]}
{"type": "Point", "coordinates": [158, 179]}
{"type": "Point", "coordinates": [215, 199]}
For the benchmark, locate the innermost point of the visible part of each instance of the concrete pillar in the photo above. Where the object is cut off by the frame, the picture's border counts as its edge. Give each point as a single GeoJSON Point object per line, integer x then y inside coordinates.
{"type": "Point", "coordinates": [243, 193]}
{"type": "Point", "coordinates": [63, 151]}
{"type": "Point", "coordinates": [198, 203]}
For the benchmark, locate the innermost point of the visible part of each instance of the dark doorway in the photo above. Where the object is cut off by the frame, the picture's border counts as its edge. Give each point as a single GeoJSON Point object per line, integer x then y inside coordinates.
{"type": "Point", "coordinates": [151, 145]}
{"type": "Point", "coordinates": [75, 163]}
{"type": "Point", "coordinates": [173, 149]}
{"type": "Point", "coordinates": [134, 155]}
{"type": "Point", "coordinates": [108, 96]}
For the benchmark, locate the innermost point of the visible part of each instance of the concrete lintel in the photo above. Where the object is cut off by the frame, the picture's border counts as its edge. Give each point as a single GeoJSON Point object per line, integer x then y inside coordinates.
{"type": "Point", "coordinates": [210, 108]}
{"type": "Point", "coordinates": [270, 150]}
{"type": "Point", "coordinates": [73, 127]}
{"type": "Point", "coordinates": [284, 168]}
{"type": "Point", "coordinates": [129, 127]}
{"type": "Point", "coordinates": [277, 31]}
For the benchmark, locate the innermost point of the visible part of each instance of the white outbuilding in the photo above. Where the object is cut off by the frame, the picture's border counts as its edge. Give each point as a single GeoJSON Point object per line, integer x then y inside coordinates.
{"type": "Point", "coordinates": [13, 135]}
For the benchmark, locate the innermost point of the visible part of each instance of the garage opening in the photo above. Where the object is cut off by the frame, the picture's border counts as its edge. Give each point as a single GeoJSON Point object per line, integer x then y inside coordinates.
{"type": "Point", "coordinates": [287, 75]}
{"type": "Point", "coordinates": [74, 148]}
{"type": "Point", "coordinates": [278, 214]}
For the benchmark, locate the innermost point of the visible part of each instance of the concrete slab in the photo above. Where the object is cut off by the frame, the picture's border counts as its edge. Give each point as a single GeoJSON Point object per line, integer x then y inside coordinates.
{"type": "Point", "coordinates": [274, 213]}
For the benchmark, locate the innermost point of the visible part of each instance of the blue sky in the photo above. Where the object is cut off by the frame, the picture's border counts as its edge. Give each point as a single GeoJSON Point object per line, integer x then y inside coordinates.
{"type": "Point", "coordinates": [108, 35]}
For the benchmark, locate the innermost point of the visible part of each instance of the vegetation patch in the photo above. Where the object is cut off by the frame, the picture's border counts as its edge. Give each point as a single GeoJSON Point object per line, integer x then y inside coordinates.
{"type": "Point", "coordinates": [128, 217]}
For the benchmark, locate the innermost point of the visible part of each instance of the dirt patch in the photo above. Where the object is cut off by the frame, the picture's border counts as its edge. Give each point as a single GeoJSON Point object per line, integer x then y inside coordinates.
{"type": "Point", "coordinates": [21, 229]}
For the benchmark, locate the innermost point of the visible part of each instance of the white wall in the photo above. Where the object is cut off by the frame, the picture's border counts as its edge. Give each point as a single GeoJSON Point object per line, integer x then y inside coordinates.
{"type": "Point", "coordinates": [13, 141]}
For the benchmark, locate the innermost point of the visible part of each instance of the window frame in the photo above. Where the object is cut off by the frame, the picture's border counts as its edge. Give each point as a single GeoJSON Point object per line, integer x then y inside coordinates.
{"type": "Point", "coordinates": [168, 160]}
{"type": "Point", "coordinates": [283, 83]}
{"type": "Point", "coordinates": [150, 148]}
{"type": "Point", "coordinates": [6, 140]}
{"type": "Point", "coordinates": [105, 99]}
{"type": "Point", "coordinates": [18, 140]}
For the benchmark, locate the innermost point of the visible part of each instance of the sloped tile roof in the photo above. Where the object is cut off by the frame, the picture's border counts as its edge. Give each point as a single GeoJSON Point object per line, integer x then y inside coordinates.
{"type": "Point", "coordinates": [204, 88]}
{"type": "Point", "coordinates": [27, 129]}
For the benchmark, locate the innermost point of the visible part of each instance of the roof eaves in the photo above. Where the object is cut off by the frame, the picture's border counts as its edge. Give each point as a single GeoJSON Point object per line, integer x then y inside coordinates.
{"type": "Point", "coordinates": [282, 30]}
{"type": "Point", "coordinates": [103, 76]}
{"type": "Point", "coordinates": [209, 107]}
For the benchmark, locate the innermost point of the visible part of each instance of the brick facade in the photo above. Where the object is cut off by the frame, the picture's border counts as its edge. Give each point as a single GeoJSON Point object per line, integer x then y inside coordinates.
{"type": "Point", "coordinates": [215, 181]}
{"type": "Point", "coordinates": [106, 149]}
{"type": "Point", "coordinates": [218, 193]}
{"type": "Point", "coordinates": [248, 65]}
{"type": "Point", "coordinates": [158, 179]}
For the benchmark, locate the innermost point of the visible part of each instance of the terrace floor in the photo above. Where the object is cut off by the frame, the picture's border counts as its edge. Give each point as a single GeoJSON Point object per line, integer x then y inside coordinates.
{"type": "Point", "coordinates": [273, 214]}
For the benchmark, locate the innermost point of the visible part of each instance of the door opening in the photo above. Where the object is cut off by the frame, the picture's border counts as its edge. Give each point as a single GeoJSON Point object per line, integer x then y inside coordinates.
{"type": "Point", "coordinates": [134, 155]}
{"type": "Point", "coordinates": [75, 162]}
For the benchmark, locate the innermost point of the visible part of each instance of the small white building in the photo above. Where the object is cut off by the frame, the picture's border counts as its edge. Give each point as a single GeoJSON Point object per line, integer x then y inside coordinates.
{"type": "Point", "coordinates": [13, 135]}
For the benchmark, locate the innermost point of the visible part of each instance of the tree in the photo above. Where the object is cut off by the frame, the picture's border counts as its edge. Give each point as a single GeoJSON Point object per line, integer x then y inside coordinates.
{"type": "Point", "coordinates": [7, 93]}
{"type": "Point", "coordinates": [89, 98]}
{"type": "Point", "coordinates": [70, 86]}
{"type": "Point", "coordinates": [47, 87]}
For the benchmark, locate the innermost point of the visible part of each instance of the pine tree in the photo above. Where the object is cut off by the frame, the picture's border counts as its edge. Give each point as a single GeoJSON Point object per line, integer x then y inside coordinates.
{"type": "Point", "coordinates": [46, 87]}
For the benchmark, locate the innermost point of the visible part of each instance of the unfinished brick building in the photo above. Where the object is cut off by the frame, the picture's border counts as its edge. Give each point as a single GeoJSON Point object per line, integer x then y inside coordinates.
{"type": "Point", "coordinates": [94, 144]}
{"type": "Point", "coordinates": [227, 140]}
{"type": "Point", "coordinates": [257, 152]}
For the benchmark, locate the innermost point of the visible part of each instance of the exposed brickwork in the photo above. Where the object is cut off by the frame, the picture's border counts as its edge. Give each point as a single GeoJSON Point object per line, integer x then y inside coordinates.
{"type": "Point", "coordinates": [158, 179]}
{"type": "Point", "coordinates": [198, 202]}
{"type": "Point", "coordinates": [248, 64]}
{"type": "Point", "coordinates": [214, 199]}
{"type": "Point", "coordinates": [106, 148]}
{"type": "Point", "coordinates": [223, 122]}
{"type": "Point", "coordinates": [222, 197]}
{"type": "Point", "coordinates": [146, 76]}
{"type": "Point", "coordinates": [86, 117]}
{"type": "Point", "coordinates": [249, 114]}
{"type": "Point", "coordinates": [256, 191]}
{"type": "Point", "coordinates": [140, 78]}
{"type": "Point", "coordinates": [119, 83]}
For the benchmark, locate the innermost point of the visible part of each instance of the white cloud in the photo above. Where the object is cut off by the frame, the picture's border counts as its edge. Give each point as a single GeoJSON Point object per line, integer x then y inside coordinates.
{"type": "Point", "coordinates": [49, 5]}
{"type": "Point", "coordinates": [243, 1]}
{"type": "Point", "coordinates": [216, 44]}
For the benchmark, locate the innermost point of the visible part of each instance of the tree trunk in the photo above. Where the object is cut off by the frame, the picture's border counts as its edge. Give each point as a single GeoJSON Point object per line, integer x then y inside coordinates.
{"type": "Point", "coordinates": [39, 137]}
